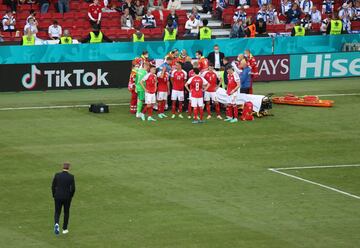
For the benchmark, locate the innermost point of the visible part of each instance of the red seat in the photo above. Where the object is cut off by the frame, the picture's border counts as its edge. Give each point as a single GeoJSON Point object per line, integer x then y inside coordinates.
{"type": "Point", "coordinates": [3, 7]}
{"type": "Point", "coordinates": [69, 15]}
{"type": "Point", "coordinates": [45, 16]}
{"type": "Point", "coordinates": [23, 7]}
{"type": "Point", "coordinates": [156, 33]}
{"type": "Point", "coordinates": [355, 25]}
{"type": "Point", "coordinates": [74, 6]}
{"type": "Point", "coordinates": [57, 16]}
{"type": "Point", "coordinates": [316, 26]}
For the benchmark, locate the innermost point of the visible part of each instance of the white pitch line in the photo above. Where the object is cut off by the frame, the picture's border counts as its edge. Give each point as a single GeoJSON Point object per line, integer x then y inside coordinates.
{"type": "Point", "coordinates": [315, 183]}
{"type": "Point", "coordinates": [58, 107]}
{"type": "Point", "coordinates": [318, 167]}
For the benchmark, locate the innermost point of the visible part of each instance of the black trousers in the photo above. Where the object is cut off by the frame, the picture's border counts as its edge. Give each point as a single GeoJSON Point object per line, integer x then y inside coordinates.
{"type": "Point", "coordinates": [245, 90]}
{"type": "Point", "coordinates": [59, 203]}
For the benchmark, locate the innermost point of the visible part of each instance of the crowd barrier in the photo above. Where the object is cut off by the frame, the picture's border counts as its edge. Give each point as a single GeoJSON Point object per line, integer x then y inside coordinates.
{"type": "Point", "coordinates": [108, 65]}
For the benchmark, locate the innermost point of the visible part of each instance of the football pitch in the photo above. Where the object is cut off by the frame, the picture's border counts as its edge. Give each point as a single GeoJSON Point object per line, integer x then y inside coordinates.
{"type": "Point", "coordinates": [172, 184]}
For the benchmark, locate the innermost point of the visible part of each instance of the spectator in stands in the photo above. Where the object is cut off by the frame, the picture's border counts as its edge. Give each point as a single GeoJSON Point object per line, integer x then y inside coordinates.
{"type": "Point", "coordinates": [155, 4]}
{"type": "Point", "coordinates": [31, 26]}
{"type": "Point", "coordinates": [315, 15]}
{"type": "Point", "coordinates": [173, 17]}
{"type": "Point", "coordinates": [1, 37]}
{"type": "Point", "coordinates": [263, 2]}
{"type": "Point", "coordinates": [126, 20]}
{"type": "Point", "coordinates": [148, 20]}
{"type": "Point", "coordinates": [33, 16]}
{"type": "Point", "coordinates": [207, 8]}
{"type": "Point", "coordinates": [12, 4]}
{"type": "Point", "coordinates": [306, 22]}
{"type": "Point", "coordinates": [346, 14]}
{"type": "Point", "coordinates": [285, 6]}
{"type": "Point", "coordinates": [293, 15]}
{"type": "Point", "coordinates": [8, 22]}
{"type": "Point", "coordinates": [327, 7]}
{"type": "Point", "coordinates": [324, 24]}
{"type": "Point", "coordinates": [306, 5]}
{"type": "Point", "coordinates": [44, 6]}
{"type": "Point", "coordinates": [298, 30]}
{"type": "Point", "coordinates": [220, 6]}
{"type": "Point", "coordinates": [66, 38]}
{"type": "Point", "coordinates": [240, 14]}
{"type": "Point", "coordinates": [138, 36]}
{"type": "Point", "coordinates": [192, 26]}
{"type": "Point", "coordinates": [130, 6]}
{"type": "Point", "coordinates": [357, 11]}
{"type": "Point", "coordinates": [244, 3]}
{"type": "Point", "coordinates": [262, 13]}
{"type": "Point", "coordinates": [28, 39]}
{"type": "Point", "coordinates": [195, 12]}
{"type": "Point", "coordinates": [237, 29]}
{"type": "Point", "coordinates": [139, 10]}
{"type": "Point", "coordinates": [335, 25]}
{"type": "Point", "coordinates": [96, 36]}
{"type": "Point", "coordinates": [94, 14]}
{"type": "Point", "coordinates": [55, 31]}
{"type": "Point", "coordinates": [174, 4]}
{"type": "Point", "coordinates": [216, 58]}
{"type": "Point", "coordinates": [260, 27]}
{"type": "Point", "coordinates": [63, 6]}
{"type": "Point", "coordinates": [272, 15]}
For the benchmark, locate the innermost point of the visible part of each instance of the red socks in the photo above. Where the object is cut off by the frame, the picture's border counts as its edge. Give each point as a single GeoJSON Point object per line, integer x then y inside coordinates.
{"type": "Point", "coordinates": [217, 108]}
{"type": "Point", "coordinates": [173, 107]}
{"type": "Point", "coordinates": [208, 108]}
{"type": "Point", "coordinates": [189, 108]}
{"type": "Point", "coordinates": [150, 110]}
{"type": "Point", "coordinates": [195, 113]}
{"type": "Point", "coordinates": [236, 112]}
{"type": "Point", "coordinates": [229, 111]}
{"type": "Point", "coordinates": [180, 107]}
{"type": "Point", "coordinates": [201, 113]}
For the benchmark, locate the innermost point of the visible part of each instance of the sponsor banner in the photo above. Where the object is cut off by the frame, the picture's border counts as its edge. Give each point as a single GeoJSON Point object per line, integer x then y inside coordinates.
{"type": "Point", "coordinates": [273, 68]}
{"type": "Point", "coordinates": [55, 76]}
{"type": "Point", "coordinates": [326, 65]}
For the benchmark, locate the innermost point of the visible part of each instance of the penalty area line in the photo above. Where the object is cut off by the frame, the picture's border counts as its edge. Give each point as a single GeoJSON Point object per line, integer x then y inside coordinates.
{"type": "Point", "coordinates": [278, 170]}
{"type": "Point", "coordinates": [58, 107]}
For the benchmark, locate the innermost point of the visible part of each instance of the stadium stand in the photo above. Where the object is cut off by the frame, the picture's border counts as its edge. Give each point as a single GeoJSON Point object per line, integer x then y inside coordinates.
{"type": "Point", "coordinates": [76, 20]}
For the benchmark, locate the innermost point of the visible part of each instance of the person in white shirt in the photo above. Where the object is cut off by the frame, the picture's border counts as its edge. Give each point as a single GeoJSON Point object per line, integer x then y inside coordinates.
{"type": "Point", "coordinates": [324, 24]}
{"type": "Point", "coordinates": [285, 6]}
{"type": "Point", "coordinates": [262, 13]}
{"type": "Point", "coordinates": [148, 20]}
{"type": "Point", "coordinates": [31, 26]}
{"type": "Point", "coordinates": [306, 6]}
{"type": "Point", "coordinates": [8, 22]}
{"type": "Point", "coordinates": [357, 11]}
{"type": "Point", "coordinates": [272, 15]}
{"type": "Point", "coordinates": [174, 4]}
{"type": "Point", "coordinates": [33, 16]}
{"type": "Point", "coordinates": [346, 11]}
{"type": "Point", "coordinates": [55, 31]}
{"type": "Point", "coordinates": [192, 26]}
{"type": "Point", "coordinates": [315, 15]}
{"type": "Point", "coordinates": [240, 14]}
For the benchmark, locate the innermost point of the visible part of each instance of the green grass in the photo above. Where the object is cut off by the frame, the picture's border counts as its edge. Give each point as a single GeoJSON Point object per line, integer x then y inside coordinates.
{"type": "Point", "coordinates": [177, 185]}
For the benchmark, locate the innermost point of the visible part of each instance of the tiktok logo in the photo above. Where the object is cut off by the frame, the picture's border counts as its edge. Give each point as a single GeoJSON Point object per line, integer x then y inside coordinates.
{"type": "Point", "coordinates": [29, 79]}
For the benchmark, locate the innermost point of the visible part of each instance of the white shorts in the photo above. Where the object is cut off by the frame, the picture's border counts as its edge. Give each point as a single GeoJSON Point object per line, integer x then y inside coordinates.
{"type": "Point", "coordinates": [197, 102]}
{"type": "Point", "coordinates": [210, 96]}
{"type": "Point", "coordinates": [162, 96]}
{"type": "Point", "coordinates": [232, 99]}
{"type": "Point", "coordinates": [150, 98]}
{"type": "Point", "coordinates": [177, 95]}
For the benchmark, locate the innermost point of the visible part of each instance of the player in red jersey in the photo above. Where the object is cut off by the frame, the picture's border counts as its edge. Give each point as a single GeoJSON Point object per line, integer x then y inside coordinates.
{"type": "Point", "coordinates": [163, 91]}
{"type": "Point", "coordinates": [210, 95]}
{"type": "Point", "coordinates": [232, 88]}
{"type": "Point", "coordinates": [131, 87]}
{"type": "Point", "coordinates": [202, 61]}
{"type": "Point", "coordinates": [254, 68]}
{"type": "Point", "coordinates": [197, 86]}
{"type": "Point", "coordinates": [191, 73]}
{"type": "Point", "coordinates": [178, 79]}
{"type": "Point", "coordinates": [150, 90]}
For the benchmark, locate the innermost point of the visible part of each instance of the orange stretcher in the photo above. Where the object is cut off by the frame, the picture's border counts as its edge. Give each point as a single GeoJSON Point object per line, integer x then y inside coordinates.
{"type": "Point", "coordinates": [312, 101]}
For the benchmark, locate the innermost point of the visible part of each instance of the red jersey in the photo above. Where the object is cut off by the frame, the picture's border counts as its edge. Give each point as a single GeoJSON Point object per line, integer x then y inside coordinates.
{"type": "Point", "coordinates": [253, 65]}
{"type": "Point", "coordinates": [196, 86]}
{"type": "Point", "coordinates": [233, 80]}
{"type": "Point", "coordinates": [212, 78]}
{"type": "Point", "coordinates": [94, 10]}
{"type": "Point", "coordinates": [163, 82]}
{"type": "Point", "coordinates": [131, 85]}
{"type": "Point", "coordinates": [178, 79]}
{"type": "Point", "coordinates": [150, 80]}
{"type": "Point", "coordinates": [191, 73]}
{"type": "Point", "coordinates": [203, 63]}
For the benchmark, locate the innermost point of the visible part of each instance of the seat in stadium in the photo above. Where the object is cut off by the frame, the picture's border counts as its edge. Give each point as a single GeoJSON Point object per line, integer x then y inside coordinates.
{"type": "Point", "coordinates": [45, 16]}
{"type": "Point", "coordinates": [156, 33]}
{"type": "Point", "coordinates": [57, 16]}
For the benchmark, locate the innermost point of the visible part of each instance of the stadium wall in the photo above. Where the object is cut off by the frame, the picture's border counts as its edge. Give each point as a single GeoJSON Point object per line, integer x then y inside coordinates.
{"type": "Point", "coordinates": [108, 65]}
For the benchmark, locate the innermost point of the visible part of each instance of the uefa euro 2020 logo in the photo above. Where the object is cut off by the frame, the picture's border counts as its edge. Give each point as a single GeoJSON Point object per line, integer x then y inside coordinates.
{"type": "Point", "coordinates": [29, 79]}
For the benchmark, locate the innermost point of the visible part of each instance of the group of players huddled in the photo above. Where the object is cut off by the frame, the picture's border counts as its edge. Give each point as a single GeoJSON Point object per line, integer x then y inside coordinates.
{"type": "Point", "coordinates": [169, 82]}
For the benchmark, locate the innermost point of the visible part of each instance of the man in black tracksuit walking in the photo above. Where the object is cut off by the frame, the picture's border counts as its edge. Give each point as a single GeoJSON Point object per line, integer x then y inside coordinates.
{"type": "Point", "coordinates": [63, 189]}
